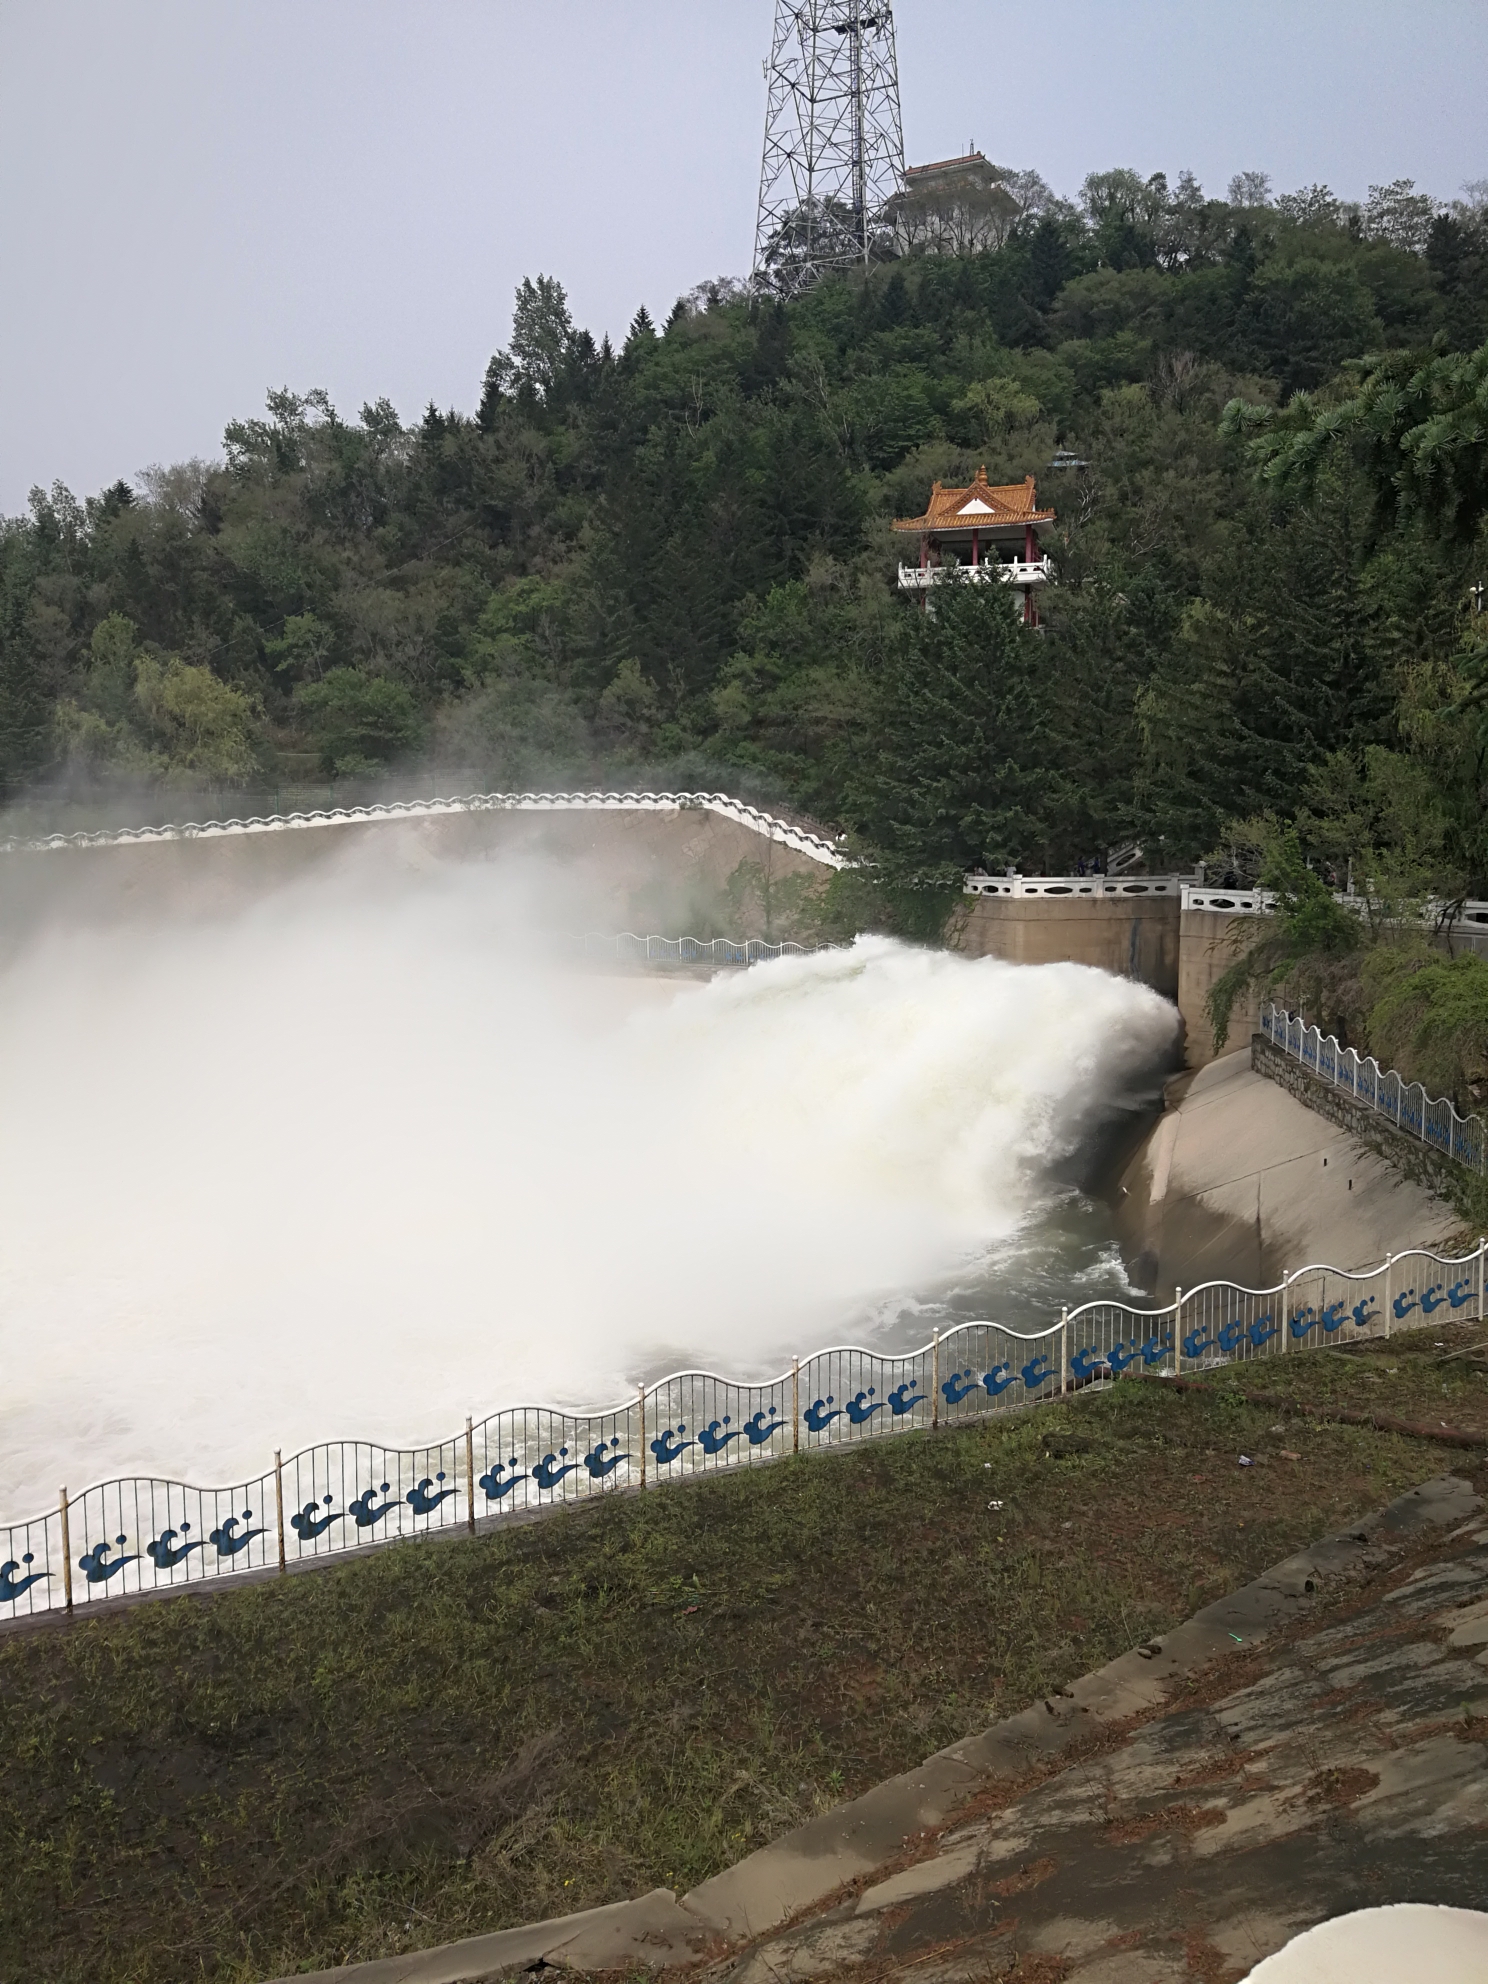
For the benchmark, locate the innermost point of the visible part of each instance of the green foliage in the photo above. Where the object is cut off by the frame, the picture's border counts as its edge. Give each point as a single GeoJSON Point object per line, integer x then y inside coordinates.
{"type": "Point", "coordinates": [1417, 428]}
{"type": "Point", "coordinates": [143, 715]}
{"type": "Point", "coordinates": [681, 553]}
{"type": "Point", "coordinates": [1303, 318]}
{"type": "Point", "coordinates": [203, 727]}
{"type": "Point", "coordinates": [358, 721]}
{"type": "Point", "coordinates": [1307, 930]}
{"type": "Point", "coordinates": [1428, 1017]}
{"type": "Point", "coordinates": [963, 774]}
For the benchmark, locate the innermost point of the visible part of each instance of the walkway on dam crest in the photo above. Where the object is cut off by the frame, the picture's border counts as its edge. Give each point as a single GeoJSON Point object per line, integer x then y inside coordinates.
{"type": "Point", "coordinates": [1314, 1743]}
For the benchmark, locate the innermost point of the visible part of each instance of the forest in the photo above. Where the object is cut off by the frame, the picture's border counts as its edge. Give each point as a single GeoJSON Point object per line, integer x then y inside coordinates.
{"type": "Point", "coordinates": [672, 562]}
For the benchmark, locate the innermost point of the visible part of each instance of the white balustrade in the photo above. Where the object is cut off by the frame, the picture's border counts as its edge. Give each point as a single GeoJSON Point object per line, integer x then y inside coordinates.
{"type": "Point", "coordinates": [1125, 887]}
{"type": "Point", "coordinates": [1021, 572]}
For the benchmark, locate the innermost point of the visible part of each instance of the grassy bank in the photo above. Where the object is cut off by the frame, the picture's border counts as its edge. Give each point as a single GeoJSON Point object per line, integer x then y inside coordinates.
{"type": "Point", "coordinates": [441, 1740]}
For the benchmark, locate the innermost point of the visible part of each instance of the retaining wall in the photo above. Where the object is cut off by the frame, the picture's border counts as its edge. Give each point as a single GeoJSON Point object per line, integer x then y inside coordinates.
{"type": "Point", "coordinates": [1135, 939]}
{"type": "Point", "coordinates": [1418, 1161]}
{"type": "Point", "coordinates": [1208, 944]}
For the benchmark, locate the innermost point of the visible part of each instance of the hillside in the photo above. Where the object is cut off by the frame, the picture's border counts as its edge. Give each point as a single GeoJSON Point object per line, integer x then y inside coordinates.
{"type": "Point", "coordinates": [675, 557]}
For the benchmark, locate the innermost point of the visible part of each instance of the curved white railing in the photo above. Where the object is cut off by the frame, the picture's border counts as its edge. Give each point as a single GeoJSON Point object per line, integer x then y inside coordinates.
{"type": "Point", "coordinates": [149, 1534]}
{"type": "Point", "coordinates": [627, 948]}
{"type": "Point", "coordinates": [1433, 1120]}
{"type": "Point", "coordinates": [827, 852]}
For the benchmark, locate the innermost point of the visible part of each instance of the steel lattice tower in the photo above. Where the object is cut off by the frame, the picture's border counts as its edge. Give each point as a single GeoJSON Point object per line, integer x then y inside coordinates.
{"type": "Point", "coordinates": [834, 144]}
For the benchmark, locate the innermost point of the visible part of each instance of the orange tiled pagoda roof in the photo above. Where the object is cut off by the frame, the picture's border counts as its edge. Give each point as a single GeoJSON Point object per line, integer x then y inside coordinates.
{"type": "Point", "coordinates": [981, 505]}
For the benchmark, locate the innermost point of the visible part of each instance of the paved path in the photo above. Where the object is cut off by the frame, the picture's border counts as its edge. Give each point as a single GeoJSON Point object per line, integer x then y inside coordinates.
{"type": "Point", "coordinates": [1316, 1742]}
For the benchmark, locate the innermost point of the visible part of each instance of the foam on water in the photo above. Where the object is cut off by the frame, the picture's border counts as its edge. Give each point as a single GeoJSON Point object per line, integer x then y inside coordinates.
{"type": "Point", "coordinates": [359, 1159]}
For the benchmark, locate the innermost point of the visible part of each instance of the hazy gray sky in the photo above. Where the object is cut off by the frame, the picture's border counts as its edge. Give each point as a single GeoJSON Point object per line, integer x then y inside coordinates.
{"type": "Point", "coordinates": [201, 199]}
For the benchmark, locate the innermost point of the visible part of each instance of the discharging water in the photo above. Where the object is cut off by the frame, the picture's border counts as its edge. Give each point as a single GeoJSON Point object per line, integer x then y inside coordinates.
{"type": "Point", "coordinates": [362, 1157]}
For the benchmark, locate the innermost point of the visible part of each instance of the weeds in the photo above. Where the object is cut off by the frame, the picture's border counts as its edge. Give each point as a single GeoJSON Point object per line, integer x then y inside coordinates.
{"type": "Point", "coordinates": [439, 1740]}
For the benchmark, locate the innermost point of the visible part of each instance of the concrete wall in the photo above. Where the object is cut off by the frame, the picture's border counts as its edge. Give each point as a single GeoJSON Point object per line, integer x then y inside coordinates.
{"type": "Point", "coordinates": [1135, 939]}
{"type": "Point", "coordinates": [648, 872]}
{"type": "Point", "coordinates": [1208, 944]}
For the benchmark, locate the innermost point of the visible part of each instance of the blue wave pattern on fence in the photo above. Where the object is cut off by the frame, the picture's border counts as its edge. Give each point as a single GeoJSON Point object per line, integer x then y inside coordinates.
{"type": "Point", "coordinates": [143, 1534]}
{"type": "Point", "coordinates": [627, 948]}
{"type": "Point", "coordinates": [1433, 1121]}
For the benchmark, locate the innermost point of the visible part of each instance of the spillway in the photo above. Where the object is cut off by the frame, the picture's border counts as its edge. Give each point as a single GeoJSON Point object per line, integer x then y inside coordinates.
{"type": "Point", "coordinates": [367, 1152]}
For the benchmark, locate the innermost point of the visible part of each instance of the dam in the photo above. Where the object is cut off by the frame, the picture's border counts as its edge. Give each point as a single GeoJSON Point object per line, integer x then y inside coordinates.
{"type": "Point", "coordinates": [319, 1130]}
{"type": "Point", "coordinates": [326, 1122]}
{"type": "Point", "coordinates": [312, 1132]}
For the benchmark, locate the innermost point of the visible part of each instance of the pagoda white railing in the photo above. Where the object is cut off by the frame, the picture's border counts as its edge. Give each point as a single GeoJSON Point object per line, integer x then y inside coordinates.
{"type": "Point", "coordinates": [1022, 572]}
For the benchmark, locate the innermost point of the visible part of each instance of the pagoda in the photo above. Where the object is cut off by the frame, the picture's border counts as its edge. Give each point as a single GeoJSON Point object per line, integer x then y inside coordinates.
{"type": "Point", "coordinates": [986, 533]}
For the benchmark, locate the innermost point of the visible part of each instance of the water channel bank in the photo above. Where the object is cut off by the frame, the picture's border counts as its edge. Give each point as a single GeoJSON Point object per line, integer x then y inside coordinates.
{"type": "Point", "coordinates": [1238, 1180]}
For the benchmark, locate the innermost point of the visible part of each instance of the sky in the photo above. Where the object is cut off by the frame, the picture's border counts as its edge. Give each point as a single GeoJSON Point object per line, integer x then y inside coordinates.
{"type": "Point", "coordinates": [200, 202]}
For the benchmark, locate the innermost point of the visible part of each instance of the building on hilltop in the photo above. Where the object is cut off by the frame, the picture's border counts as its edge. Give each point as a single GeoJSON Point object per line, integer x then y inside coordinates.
{"type": "Point", "coordinates": [985, 533]}
{"type": "Point", "coordinates": [958, 206]}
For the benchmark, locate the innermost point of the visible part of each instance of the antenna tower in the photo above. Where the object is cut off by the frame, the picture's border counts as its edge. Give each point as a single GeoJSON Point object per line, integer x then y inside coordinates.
{"type": "Point", "coordinates": [834, 143]}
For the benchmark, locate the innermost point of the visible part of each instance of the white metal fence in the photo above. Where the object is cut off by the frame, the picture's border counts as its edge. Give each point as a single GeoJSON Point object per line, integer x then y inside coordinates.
{"type": "Point", "coordinates": [1433, 1120]}
{"type": "Point", "coordinates": [630, 949]}
{"type": "Point", "coordinates": [144, 1534]}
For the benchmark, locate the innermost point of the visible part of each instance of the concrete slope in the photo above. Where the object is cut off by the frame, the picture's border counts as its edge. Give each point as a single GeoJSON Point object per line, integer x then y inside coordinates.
{"type": "Point", "coordinates": [1239, 1181]}
{"type": "Point", "coordinates": [1125, 1758]}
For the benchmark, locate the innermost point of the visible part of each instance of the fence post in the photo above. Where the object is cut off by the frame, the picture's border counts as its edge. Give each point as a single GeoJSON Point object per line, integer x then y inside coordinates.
{"type": "Point", "coordinates": [470, 1470]}
{"type": "Point", "coordinates": [279, 1502]}
{"type": "Point", "coordinates": [66, 1550]}
{"type": "Point", "coordinates": [935, 1381]}
{"type": "Point", "coordinates": [641, 1390]}
{"type": "Point", "coordinates": [795, 1405]}
{"type": "Point", "coordinates": [1389, 1278]}
{"type": "Point", "coordinates": [1482, 1245]}
{"type": "Point", "coordinates": [1177, 1327]}
{"type": "Point", "coordinates": [1064, 1349]}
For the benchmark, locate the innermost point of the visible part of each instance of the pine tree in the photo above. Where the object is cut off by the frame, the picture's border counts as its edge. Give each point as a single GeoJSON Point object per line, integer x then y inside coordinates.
{"type": "Point", "coordinates": [965, 766]}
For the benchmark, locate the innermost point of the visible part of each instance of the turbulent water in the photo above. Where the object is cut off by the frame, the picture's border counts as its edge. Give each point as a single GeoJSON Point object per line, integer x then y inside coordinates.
{"type": "Point", "coordinates": [364, 1156]}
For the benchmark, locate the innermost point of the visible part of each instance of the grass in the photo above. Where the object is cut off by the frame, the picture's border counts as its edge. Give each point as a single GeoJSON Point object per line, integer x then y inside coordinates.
{"type": "Point", "coordinates": [443, 1739]}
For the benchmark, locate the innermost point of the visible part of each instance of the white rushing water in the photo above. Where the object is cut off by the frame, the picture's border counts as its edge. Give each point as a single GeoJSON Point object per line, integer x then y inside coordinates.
{"type": "Point", "coordinates": [359, 1158]}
